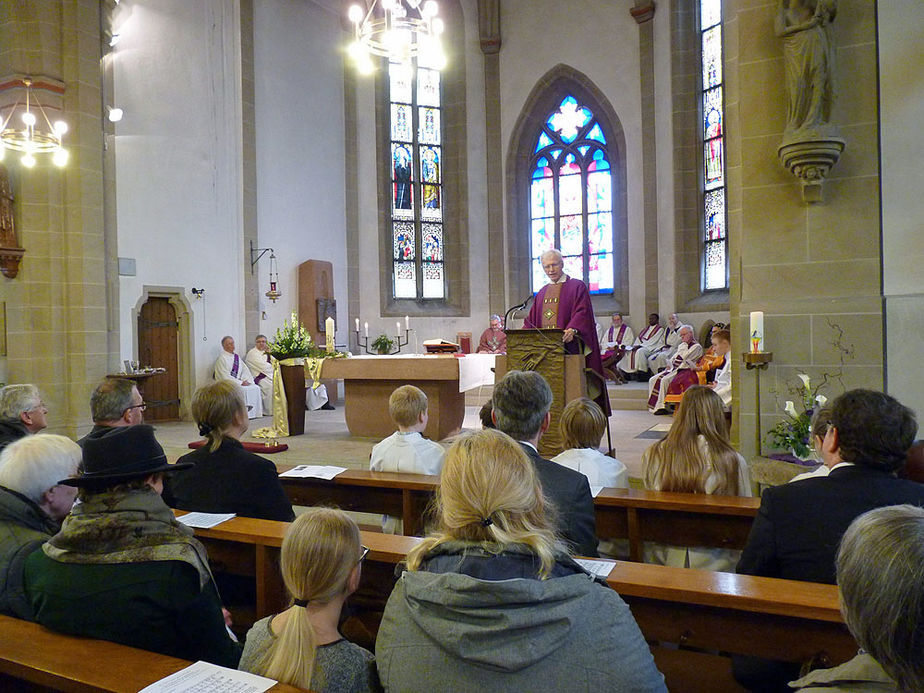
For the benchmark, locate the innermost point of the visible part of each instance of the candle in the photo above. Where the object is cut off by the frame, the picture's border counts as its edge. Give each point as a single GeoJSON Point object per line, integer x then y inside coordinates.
{"type": "Point", "coordinates": [398, 328]}
{"type": "Point", "coordinates": [357, 324]}
{"type": "Point", "coordinates": [757, 331]}
{"type": "Point", "coordinates": [366, 325]}
{"type": "Point", "coordinates": [407, 322]}
{"type": "Point", "coordinates": [329, 334]}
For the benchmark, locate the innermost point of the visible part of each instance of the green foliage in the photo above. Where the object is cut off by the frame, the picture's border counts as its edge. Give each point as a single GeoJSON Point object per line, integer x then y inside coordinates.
{"type": "Point", "coordinates": [382, 344]}
{"type": "Point", "coordinates": [292, 341]}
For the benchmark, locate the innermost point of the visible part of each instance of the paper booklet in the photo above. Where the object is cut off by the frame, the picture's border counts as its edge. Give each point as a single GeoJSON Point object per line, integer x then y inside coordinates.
{"type": "Point", "coordinates": [203, 677]}
{"type": "Point", "coordinates": [204, 520]}
{"type": "Point", "coordinates": [315, 471]}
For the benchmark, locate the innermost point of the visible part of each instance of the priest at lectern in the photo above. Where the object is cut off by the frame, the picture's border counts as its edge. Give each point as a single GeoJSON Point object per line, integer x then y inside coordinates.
{"type": "Point", "coordinates": [565, 304]}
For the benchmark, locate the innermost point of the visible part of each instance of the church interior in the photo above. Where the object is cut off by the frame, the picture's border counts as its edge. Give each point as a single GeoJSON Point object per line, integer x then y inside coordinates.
{"type": "Point", "coordinates": [231, 161]}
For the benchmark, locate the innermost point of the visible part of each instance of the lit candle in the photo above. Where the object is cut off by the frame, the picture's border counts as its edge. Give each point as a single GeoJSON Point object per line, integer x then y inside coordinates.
{"type": "Point", "coordinates": [757, 331]}
{"type": "Point", "coordinates": [357, 324]}
{"type": "Point", "coordinates": [329, 334]}
{"type": "Point", "coordinates": [407, 322]}
{"type": "Point", "coordinates": [366, 325]}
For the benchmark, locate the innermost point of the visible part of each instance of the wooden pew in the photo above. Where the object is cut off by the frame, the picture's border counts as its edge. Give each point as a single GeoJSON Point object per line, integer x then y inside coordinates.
{"type": "Point", "coordinates": [35, 658]}
{"type": "Point", "coordinates": [709, 612]}
{"type": "Point", "coordinates": [683, 519]}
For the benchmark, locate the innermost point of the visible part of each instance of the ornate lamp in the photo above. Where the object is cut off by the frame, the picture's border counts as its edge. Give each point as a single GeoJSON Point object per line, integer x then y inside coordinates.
{"type": "Point", "coordinates": [396, 29]}
{"type": "Point", "coordinates": [37, 135]}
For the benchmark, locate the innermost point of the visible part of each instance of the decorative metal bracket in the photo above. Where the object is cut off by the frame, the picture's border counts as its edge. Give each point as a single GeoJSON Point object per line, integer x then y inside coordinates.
{"type": "Point", "coordinates": [255, 260]}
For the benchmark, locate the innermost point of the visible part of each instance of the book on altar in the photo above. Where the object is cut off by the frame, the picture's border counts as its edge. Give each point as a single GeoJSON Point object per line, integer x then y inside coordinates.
{"type": "Point", "coordinates": [441, 346]}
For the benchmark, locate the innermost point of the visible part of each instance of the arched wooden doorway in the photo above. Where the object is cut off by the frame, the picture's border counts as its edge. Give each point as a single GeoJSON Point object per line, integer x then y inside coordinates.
{"type": "Point", "coordinates": [157, 346]}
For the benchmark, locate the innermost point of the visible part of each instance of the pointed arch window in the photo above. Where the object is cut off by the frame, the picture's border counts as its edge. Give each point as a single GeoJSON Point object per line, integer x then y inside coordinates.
{"type": "Point", "coordinates": [715, 239]}
{"type": "Point", "coordinates": [416, 181]}
{"type": "Point", "coordinates": [571, 197]}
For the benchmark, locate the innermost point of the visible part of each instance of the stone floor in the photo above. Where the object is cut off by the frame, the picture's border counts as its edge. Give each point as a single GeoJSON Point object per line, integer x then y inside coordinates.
{"type": "Point", "coordinates": [327, 441]}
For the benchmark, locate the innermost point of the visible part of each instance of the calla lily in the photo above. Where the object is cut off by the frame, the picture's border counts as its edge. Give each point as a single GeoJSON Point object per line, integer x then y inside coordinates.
{"type": "Point", "coordinates": [790, 409]}
{"type": "Point", "coordinates": [821, 400]}
{"type": "Point", "coordinates": [805, 380]}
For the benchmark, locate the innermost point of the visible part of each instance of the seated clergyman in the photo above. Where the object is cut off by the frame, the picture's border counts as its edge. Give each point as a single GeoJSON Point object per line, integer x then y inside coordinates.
{"type": "Point", "coordinates": [230, 366]}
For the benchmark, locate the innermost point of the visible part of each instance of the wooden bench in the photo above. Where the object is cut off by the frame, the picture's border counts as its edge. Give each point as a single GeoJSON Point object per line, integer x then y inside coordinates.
{"type": "Point", "coordinates": [683, 519]}
{"type": "Point", "coordinates": [676, 608]}
{"type": "Point", "coordinates": [35, 658]}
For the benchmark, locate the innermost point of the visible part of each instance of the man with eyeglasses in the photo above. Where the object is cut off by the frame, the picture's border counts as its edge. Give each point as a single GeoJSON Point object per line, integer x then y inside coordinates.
{"type": "Point", "coordinates": [22, 412]}
{"type": "Point", "coordinates": [115, 402]}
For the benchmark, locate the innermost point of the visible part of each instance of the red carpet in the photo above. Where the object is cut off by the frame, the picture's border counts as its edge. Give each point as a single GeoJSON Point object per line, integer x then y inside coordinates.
{"type": "Point", "coordinates": [259, 448]}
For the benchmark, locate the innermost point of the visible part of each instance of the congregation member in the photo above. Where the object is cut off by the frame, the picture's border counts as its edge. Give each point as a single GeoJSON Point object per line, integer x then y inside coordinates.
{"type": "Point", "coordinates": [230, 366]}
{"type": "Point", "coordinates": [634, 364]}
{"type": "Point", "coordinates": [221, 476]}
{"type": "Point", "coordinates": [115, 402]}
{"type": "Point", "coordinates": [696, 456]}
{"type": "Point", "coordinates": [259, 361]}
{"type": "Point", "coordinates": [797, 530]}
{"type": "Point", "coordinates": [484, 414]}
{"type": "Point", "coordinates": [722, 383]}
{"type": "Point", "coordinates": [686, 357]}
{"type": "Point", "coordinates": [880, 573]}
{"type": "Point", "coordinates": [522, 400]}
{"type": "Point", "coordinates": [494, 339]}
{"type": "Point", "coordinates": [582, 427]}
{"type": "Point", "coordinates": [707, 368]}
{"type": "Point", "coordinates": [122, 568]}
{"type": "Point", "coordinates": [660, 358]}
{"type": "Point", "coordinates": [22, 412]}
{"type": "Point", "coordinates": [564, 303]}
{"type": "Point", "coordinates": [320, 561]}
{"type": "Point", "coordinates": [32, 506]}
{"type": "Point", "coordinates": [613, 344]}
{"type": "Point", "coordinates": [492, 601]}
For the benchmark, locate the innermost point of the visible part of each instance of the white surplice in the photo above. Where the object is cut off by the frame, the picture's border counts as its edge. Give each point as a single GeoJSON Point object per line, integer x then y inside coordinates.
{"type": "Point", "coordinates": [650, 339]}
{"type": "Point", "coordinates": [232, 367]}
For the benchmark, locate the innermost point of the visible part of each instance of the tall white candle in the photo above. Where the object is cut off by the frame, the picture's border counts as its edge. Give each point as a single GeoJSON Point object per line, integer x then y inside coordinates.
{"type": "Point", "coordinates": [357, 324]}
{"type": "Point", "coordinates": [757, 331]}
{"type": "Point", "coordinates": [329, 334]}
{"type": "Point", "coordinates": [398, 328]}
{"type": "Point", "coordinates": [407, 322]}
{"type": "Point", "coordinates": [366, 326]}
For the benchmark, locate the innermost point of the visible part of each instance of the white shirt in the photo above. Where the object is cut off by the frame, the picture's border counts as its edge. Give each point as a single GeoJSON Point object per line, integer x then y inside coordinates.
{"type": "Point", "coordinates": [407, 452]}
{"type": "Point", "coordinates": [723, 382]}
{"type": "Point", "coordinates": [258, 363]}
{"type": "Point", "coordinates": [224, 365]}
{"type": "Point", "coordinates": [600, 469]}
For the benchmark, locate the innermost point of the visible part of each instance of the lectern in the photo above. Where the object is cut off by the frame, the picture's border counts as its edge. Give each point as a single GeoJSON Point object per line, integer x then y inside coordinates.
{"type": "Point", "coordinates": [542, 350]}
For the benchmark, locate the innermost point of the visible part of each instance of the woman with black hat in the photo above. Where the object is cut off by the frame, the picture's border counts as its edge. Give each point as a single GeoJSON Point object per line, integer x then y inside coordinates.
{"type": "Point", "coordinates": [122, 568]}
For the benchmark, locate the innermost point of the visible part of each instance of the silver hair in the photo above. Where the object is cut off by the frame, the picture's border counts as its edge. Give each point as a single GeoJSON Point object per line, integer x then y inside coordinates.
{"type": "Point", "coordinates": [880, 572]}
{"type": "Point", "coordinates": [15, 399]}
{"type": "Point", "coordinates": [521, 401]}
{"type": "Point", "coordinates": [552, 251]}
{"type": "Point", "coordinates": [111, 398]}
{"type": "Point", "coordinates": [495, 316]}
{"type": "Point", "coordinates": [34, 464]}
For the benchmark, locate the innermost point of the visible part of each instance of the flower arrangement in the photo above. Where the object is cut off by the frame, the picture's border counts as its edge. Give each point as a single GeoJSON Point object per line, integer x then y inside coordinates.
{"type": "Point", "coordinates": [293, 341]}
{"type": "Point", "coordinates": [383, 344]}
{"type": "Point", "coordinates": [794, 432]}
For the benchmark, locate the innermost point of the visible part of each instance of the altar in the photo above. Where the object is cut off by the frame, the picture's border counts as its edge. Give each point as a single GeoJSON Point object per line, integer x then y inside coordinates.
{"type": "Point", "coordinates": [368, 381]}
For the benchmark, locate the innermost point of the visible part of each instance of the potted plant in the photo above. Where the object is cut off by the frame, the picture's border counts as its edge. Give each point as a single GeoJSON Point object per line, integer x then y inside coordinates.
{"type": "Point", "coordinates": [383, 344]}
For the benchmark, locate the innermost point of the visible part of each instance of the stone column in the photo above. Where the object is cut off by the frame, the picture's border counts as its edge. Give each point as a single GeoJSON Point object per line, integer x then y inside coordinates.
{"type": "Point", "coordinates": [57, 308]}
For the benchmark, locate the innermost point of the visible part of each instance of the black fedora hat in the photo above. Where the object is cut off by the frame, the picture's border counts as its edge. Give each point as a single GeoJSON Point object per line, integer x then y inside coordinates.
{"type": "Point", "coordinates": [122, 453]}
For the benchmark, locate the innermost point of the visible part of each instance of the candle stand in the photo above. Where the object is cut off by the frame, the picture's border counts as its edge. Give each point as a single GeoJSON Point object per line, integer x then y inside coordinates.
{"type": "Point", "coordinates": [757, 361]}
{"type": "Point", "coordinates": [399, 342]}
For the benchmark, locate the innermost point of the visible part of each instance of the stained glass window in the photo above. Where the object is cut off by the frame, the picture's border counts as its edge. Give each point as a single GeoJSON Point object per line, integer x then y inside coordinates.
{"type": "Point", "coordinates": [715, 241]}
{"type": "Point", "coordinates": [571, 197]}
{"type": "Point", "coordinates": [416, 181]}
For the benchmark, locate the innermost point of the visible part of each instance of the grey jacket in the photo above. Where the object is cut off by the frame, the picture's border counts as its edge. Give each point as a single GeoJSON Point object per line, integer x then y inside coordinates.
{"type": "Point", "coordinates": [451, 631]}
{"type": "Point", "coordinates": [24, 527]}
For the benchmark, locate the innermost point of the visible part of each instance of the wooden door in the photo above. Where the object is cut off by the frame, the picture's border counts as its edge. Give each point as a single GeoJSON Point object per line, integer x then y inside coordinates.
{"type": "Point", "coordinates": [157, 347]}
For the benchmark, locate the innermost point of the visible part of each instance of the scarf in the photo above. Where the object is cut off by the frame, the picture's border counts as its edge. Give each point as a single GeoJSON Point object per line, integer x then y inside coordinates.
{"type": "Point", "coordinates": [126, 527]}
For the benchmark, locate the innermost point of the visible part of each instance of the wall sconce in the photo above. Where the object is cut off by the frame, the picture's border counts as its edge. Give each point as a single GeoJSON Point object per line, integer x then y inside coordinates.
{"type": "Point", "coordinates": [255, 254]}
{"type": "Point", "coordinates": [197, 292]}
{"type": "Point", "coordinates": [114, 114]}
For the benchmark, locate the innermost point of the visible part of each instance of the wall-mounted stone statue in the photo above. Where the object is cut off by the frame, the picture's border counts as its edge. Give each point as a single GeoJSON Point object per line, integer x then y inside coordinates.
{"type": "Point", "coordinates": [10, 252]}
{"type": "Point", "coordinates": [811, 143]}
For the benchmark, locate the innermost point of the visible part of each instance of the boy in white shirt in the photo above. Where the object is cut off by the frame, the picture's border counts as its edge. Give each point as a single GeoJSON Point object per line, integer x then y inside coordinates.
{"type": "Point", "coordinates": [406, 450]}
{"type": "Point", "coordinates": [582, 426]}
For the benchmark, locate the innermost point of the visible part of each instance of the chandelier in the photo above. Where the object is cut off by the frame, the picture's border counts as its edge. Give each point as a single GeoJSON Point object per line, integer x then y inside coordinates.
{"type": "Point", "coordinates": [37, 134]}
{"type": "Point", "coordinates": [399, 30]}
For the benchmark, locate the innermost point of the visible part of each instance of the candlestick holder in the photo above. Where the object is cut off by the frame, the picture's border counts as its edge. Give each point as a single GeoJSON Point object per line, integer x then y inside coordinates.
{"type": "Point", "coordinates": [363, 342]}
{"type": "Point", "coordinates": [757, 361]}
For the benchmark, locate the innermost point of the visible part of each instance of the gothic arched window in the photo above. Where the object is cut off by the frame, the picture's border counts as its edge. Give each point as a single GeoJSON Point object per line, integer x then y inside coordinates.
{"type": "Point", "coordinates": [571, 197]}
{"type": "Point", "coordinates": [715, 239]}
{"type": "Point", "coordinates": [416, 165]}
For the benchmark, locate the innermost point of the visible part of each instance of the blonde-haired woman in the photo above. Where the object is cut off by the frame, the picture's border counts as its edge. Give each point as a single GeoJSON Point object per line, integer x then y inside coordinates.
{"type": "Point", "coordinates": [696, 457]}
{"type": "Point", "coordinates": [302, 646]}
{"type": "Point", "coordinates": [226, 478]}
{"type": "Point", "coordinates": [493, 602]}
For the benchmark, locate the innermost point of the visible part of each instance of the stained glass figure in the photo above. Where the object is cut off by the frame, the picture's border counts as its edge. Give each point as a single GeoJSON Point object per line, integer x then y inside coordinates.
{"type": "Point", "coordinates": [430, 164]}
{"type": "Point", "coordinates": [571, 195]}
{"type": "Point", "coordinates": [432, 242]}
{"type": "Point", "coordinates": [712, 57]}
{"type": "Point", "coordinates": [402, 172]}
{"type": "Point", "coordinates": [404, 240]}
{"type": "Point", "coordinates": [712, 113]}
{"type": "Point", "coordinates": [715, 163]}
{"type": "Point", "coordinates": [429, 119]}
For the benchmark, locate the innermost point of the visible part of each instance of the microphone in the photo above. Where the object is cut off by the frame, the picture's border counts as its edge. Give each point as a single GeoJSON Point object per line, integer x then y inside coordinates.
{"type": "Point", "coordinates": [514, 309]}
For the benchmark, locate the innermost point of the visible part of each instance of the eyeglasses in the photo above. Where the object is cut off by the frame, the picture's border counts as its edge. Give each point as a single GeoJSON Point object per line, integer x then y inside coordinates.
{"type": "Point", "coordinates": [141, 406]}
{"type": "Point", "coordinates": [365, 552]}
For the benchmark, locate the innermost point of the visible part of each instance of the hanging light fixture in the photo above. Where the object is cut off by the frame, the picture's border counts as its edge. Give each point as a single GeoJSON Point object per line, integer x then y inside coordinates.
{"type": "Point", "coordinates": [37, 134]}
{"type": "Point", "coordinates": [399, 30]}
{"type": "Point", "coordinates": [273, 292]}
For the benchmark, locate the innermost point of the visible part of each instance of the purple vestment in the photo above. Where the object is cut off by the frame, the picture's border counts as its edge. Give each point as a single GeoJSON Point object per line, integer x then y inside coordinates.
{"type": "Point", "coordinates": [576, 311]}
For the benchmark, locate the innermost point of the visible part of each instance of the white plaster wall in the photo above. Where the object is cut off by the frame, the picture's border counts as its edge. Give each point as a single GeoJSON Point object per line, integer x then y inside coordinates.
{"type": "Point", "coordinates": [600, 39]}
{"type": "Point", "coordinates": [298, 84]}
{"type": "Point", "coordinates": [901, 93]}
{"type": "Point", "coordinates": [178, 162]}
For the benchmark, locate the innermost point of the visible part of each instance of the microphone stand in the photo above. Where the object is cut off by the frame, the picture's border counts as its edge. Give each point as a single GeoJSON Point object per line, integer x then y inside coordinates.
{"type": "Point", "coordinates": [514, 309]}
